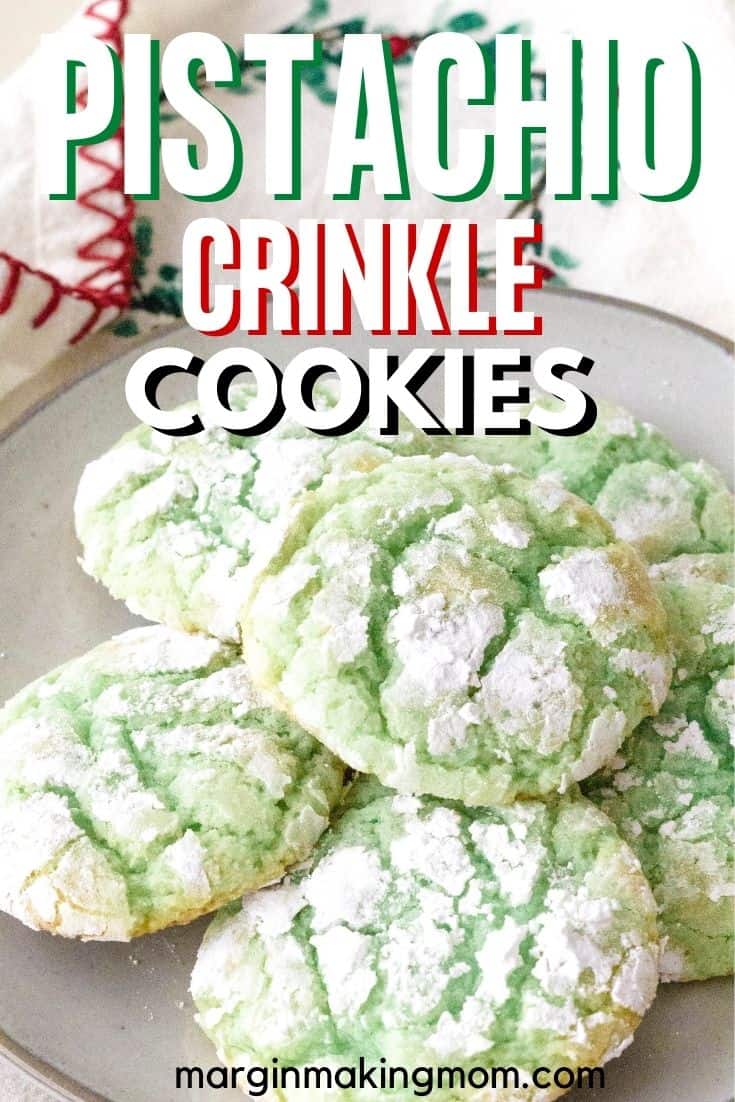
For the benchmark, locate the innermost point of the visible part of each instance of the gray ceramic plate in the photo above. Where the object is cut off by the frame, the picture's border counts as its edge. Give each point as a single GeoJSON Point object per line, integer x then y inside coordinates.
{"type": "Point", "coordinates": [113, 1021]}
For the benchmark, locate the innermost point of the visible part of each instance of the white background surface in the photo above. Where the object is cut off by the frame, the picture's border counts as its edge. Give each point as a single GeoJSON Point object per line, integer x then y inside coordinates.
{"type": "Point", "coordinates": [32, 18]}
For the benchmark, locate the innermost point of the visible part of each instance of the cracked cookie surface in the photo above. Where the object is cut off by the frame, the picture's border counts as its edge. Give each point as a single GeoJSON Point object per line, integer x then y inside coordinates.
{"type": "Point", "coordinates": [654, 497]}
{"type": "Point", "coordinates": [670, 788]}
{"type": "Point", "coordinates": [431, 935]}
{"type": "Point", "coordinates": [458, 629]}
{"type": "Point", "coordinates": [147, 783]}
{"type": "Point", "coordinates": [169, 524]}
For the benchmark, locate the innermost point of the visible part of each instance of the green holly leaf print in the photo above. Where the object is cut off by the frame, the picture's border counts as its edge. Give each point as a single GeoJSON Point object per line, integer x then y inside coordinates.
{"type": "Point", "coordinates": [126, 327]}
{"type": "Point", "coordinates": [562, 259]}
{"type": "Point", "coordinates": [467, 21]}
{"type": "Point", "coordinates": [352, 26]}
{"type": "Point", "coordinates": [168, 273]}
{"type": "Point", "coordinates": [142, 238]}
{"type": "Point", "coordinates": [318, 9]}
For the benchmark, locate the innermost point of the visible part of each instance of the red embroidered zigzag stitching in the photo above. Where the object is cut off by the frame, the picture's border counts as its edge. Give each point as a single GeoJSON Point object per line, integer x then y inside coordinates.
{"type": "Point", "coordinates": [118, 294]}
{"type": "Point", "coordinates": [93, 199]}
{"type": "Point", "coordinates": [57, 291]}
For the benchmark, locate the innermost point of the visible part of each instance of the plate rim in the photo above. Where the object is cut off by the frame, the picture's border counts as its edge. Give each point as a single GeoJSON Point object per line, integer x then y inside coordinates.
{"type": "Point", "coordinates": [62, 1087]}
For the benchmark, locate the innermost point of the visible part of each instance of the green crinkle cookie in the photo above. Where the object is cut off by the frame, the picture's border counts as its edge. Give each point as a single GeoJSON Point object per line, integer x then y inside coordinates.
{"type": "Point", "coordinates": [146, 783]}
{"type": "Point", "coordinates": [458, 629]}
{"type": "Point", "coordinates": [585, 463]}
{"type": "Point", "coordinates": [668, 511]}
{"type": "Point", "coordinates": [528, 454]}
{"type": "Point", "coordinates": [169, 524]}
{"type": "Point", "coordinates": [698, 595]}
{"type": "Point", "coordinates": [432, 936]}
{"type": "Point", "coordinates": [670, 789]}
{"type": "Point", "coordinates": [651, 494]}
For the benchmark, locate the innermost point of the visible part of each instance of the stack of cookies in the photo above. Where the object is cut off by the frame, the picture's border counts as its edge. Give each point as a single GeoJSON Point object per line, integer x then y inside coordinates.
{"type": "Point", "coordinates": [475, 694]}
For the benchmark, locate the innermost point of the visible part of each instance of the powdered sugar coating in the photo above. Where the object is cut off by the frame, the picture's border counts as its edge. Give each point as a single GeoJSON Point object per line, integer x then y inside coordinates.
{"type": "Point", "coordinates": [698, 592]}
{"type": "Point", "coordinates": [449, 967]}
{"type": "Point", "coordinates": [146, 783]}
{"type": "Point", "coordinates": [170, 524]}
{"type": "Point", "coordinates": [418, 646]}
{"type": "Point", "coordinates": [653, 496]}
{"type": "Point", "coordinates": [665, 512]}
{"type": "Point", "coordinates": [670, 788]}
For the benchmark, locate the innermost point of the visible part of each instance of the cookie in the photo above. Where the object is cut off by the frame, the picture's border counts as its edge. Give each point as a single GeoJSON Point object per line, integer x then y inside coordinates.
{"type": "Point", "coordinates": [169, 524]}
{"type": "Point", "coordinates": [651, 494]}
{"type": "Point", "coordinates": [145, 784]}
{"type": "Point", "coordinates": [670, 789]}
{"type": "Point", "coordinates": [584, 463]}
{"type": "Point", "coordinates": [698, 595]}
{"type": "Point", "coordinates": [432, 936]}
{"type": "Point", "coordinates": [665, 511]}
{"type": "Point", "coordinates": [458, 630]}
{"type": "Point", "coordinates": [528, 454]}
